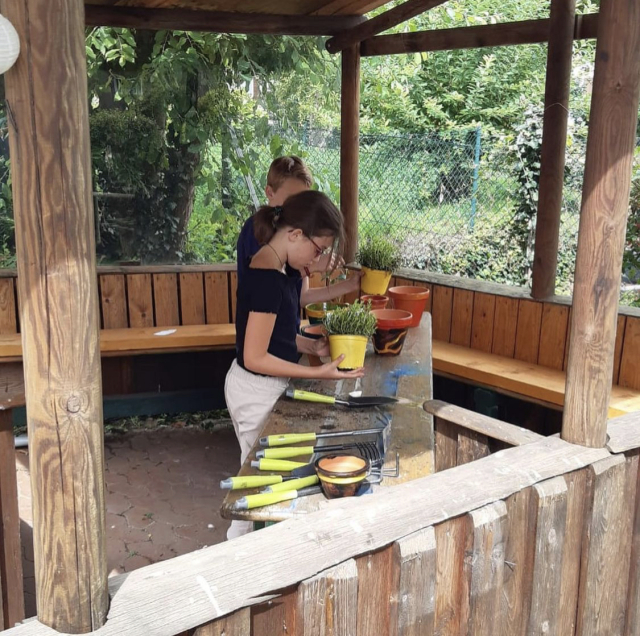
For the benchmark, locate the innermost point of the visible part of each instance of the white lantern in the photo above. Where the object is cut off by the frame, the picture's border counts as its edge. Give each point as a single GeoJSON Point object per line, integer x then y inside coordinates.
{"type": "Point", "coordinates": [9, 45]}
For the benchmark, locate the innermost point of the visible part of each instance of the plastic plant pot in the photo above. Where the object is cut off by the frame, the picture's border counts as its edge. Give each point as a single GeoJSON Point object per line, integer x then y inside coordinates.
{"type": "Point", "coordinates": [377, 301]}
{"type": "Point", "coordinates": [374, 281]}
{"type": "Point", "coordinates": [411, 299]}
{"type": "Point", "coordinates": [317, 311]}
{"type": "Point", "coordinates": [353, 347]}
{"type": "Point", "coordinates": [391, 330]}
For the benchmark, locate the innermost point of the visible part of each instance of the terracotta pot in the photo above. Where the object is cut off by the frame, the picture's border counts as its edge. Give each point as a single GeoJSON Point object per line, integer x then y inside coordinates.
{"type": "Point", "coordinates": [412, 299]}
{"type": "Point", "coordinates": [391, 330]}
{"type": "Point", "coordinates": [377, 301]}
{"type": "Point", "coordinates": [314, 332]}
{"type": "Point", "coordinates": [317, 311]}
{"type": "Point", "coordinates": [353, 347]}
{"type": "Point", "coordinates": [374, 281]}
{"type": "Point", "coordinates": [341, 475]}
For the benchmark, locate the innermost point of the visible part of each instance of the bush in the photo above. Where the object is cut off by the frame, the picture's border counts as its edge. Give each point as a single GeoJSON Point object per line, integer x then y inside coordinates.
{"type": "Point", "coordinates": [378, 252]}
{"type": "Point", "coordinates": [352, 320]}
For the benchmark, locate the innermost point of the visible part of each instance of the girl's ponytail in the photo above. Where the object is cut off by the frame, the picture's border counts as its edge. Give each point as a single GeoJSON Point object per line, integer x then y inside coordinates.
{"type": "Point", "coordinates": [265, 223]}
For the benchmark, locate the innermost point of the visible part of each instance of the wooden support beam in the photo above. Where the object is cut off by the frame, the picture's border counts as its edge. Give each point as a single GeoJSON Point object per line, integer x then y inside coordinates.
{"type": "Point", "coordinates": [605, 200]}
{"type": "Point", "coordinates": [380, 23]}
{"type": "Point", "coordinates": [554, 141]}
{"type": "Point", "coordinates": [349, 147]}
{"type": "Point", "coordinates": [46, 93]}
{"type": "Point", "coordinates": [218, 21]}
{"type": "Point", "coordinates": [476, 37]}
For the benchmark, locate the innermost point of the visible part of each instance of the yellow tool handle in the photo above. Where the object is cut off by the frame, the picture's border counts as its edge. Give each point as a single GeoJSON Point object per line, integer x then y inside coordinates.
{"type": "Point", "coordinates": [285, 452]}
{"type": "Point", "coordinates": [282, 465]}
{"type": "Point", "coordinates": [250, 481]}
{"type": "Point", "coordinates": [287, 438]}
{"type": "Point", "coordinates": [265, 499]}
{"type": "Point", "coordinates": [293, 484]}
{"type": "Point", "coordinates": [309, 396]}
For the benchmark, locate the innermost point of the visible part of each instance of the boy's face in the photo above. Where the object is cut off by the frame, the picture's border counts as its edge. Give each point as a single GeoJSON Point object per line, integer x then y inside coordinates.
{"type": "Point", "coordinates": [288, 188]}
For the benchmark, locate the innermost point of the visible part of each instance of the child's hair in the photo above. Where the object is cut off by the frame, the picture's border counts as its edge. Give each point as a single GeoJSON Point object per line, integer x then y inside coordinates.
{"type": "Point", "coordinates": [310, 211]}
{"type": "Point", "coordinates": [284, 168]}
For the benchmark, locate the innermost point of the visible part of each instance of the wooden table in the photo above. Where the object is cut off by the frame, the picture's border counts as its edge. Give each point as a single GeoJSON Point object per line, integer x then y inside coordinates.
{"type": "Point", "coordinates": [410, 429]}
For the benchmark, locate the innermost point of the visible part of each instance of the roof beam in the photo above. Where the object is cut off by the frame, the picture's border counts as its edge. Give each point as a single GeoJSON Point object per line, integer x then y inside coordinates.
{"type": "Point", "coordinates": [216, 21]}
{"type": "Point", "coordinates": [509, 33]}
{"type": "Point", "coordinates": [380, 23]}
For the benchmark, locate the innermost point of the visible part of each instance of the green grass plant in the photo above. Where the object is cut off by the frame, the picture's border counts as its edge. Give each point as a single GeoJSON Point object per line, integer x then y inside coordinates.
{"type": "Point", "coordinates": [352, 320]}
{"type": "Point", "coordinates": [378, 252]}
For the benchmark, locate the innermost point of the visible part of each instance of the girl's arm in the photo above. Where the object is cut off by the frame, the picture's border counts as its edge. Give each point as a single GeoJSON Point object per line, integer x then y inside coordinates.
{"type": "Point", "coordinates": [323, 294]}
{"type": "Point", "coordinates": [259, 360]}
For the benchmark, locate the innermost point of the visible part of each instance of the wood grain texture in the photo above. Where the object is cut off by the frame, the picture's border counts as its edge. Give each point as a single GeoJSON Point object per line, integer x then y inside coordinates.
{"type": "Point", "coordinates": [623, 433]}
{"type": "Point", "coordinates": [630, 361]}
{"type": "Point", "coordinates": [613, 122]}
{"type": "Point", "coordinates": [311, 615]}
{"type": "Point", "coordinates": [606, 546]}
{"type": "Point", "coordinates": [553, 335]}
{"type": "Point", "coordinates": [165, 300]}
{"type": "Point", "coordinates": [236, 624]}
{"type": "Point", "coordinates": [8, 323]}
{"type": "Point", "coordinates": [471, 446]}
{"type": "Point", "coordinates": [233, 294]}
{"type": "Point", "coordinates": [114, 301]}
{"type": "Point", "coordinates": [441, 310]}
{"type": "Point", "coordinates": [528, 331]}
{"type": "Point", "coordinates": [342, 597]}
{"type": "Point", "coordinates": [483, 322]}
{"type": "Point", "coordinates": [375, 589]}
{"type": "Point", "coordinates": [617, 356]}
{"type": "Point", "coordinates": [216, 291]}
{"type": "Point", "coordinates": [461, 317]}
{"type": "Point", "coordinates": [51, 177]}
{"type": "Point", "coordinates": [504, 327]}
{"type": "Point", "coordinates": [140, 300]}
{"type": "Point", "coordinates": [632, 618]}
{"type": "Point", "coordinates": [446, 444]}
{"type": "Point", "coordinates": [277, 616]}
{"type": "Point", "coordinates": [192, 310]}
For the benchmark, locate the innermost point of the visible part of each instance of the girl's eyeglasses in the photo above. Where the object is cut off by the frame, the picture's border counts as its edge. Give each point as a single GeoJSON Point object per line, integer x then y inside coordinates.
{"type": "Point", "coordinates": [320, 251]}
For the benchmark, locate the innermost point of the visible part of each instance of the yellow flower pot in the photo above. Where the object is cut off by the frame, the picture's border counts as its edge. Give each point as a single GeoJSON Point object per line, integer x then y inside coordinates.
{"type": "Point", "coordinates": [353, 347]}
{"type": "Point", "coordinates": [374, 281]}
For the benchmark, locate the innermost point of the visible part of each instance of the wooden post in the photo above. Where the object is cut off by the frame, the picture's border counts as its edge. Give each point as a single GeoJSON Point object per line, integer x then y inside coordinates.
{"type": "Point", "coordinates": [46, 95]}
{"type": "Point", "coordinates": [349, 147]}
{"type": "Point", "coordinates": [554, 138]}
{"type": "Point", "coordinates": [605, 198]}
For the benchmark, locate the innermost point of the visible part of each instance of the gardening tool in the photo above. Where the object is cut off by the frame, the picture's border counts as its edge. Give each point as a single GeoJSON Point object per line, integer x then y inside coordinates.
{"type": "Point", "coordinates": [254, 481]}
{"type": "Point", "coordinates": [293, 484]}
{"type": "Point", "coordinates": [281, 465]}
{"type": "Point", "coordinates": [351, 402]}
{"type": "Point", "coordinates": [265, 499]}
{"type": "Point", "coordinates": [284, 452]}
{"type": "Point", "coordinates": [295, 438]}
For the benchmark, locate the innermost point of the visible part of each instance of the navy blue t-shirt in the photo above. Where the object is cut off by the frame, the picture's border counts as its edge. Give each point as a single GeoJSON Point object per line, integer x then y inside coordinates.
{"type": "Point", "coordinates": [269, 291]}
{"type": "Point", "coordinates": [247, 247]}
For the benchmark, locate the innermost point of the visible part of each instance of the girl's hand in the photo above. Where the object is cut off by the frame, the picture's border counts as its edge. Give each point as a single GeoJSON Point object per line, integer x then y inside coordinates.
{"type": "Point", "coordinates": [321, 347]}
{"type": "Point", "coordinates": [330, 371]}
{"type": "Point", "coordinates": [352, 283]}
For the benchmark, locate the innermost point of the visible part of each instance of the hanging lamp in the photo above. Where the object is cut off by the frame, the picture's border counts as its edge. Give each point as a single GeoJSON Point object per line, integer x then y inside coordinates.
{"type": "Point", "coordinates": [9, 45]}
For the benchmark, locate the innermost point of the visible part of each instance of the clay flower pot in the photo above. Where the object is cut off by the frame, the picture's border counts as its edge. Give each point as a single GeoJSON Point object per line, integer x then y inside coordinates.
{"type": "Point", "coordinates": [353, 347]}
{"type": "Point", "coordinates": [317, 311]}
{"type": "Point", "coordinates": [341, 475]}
{"type": "Point", "coordinates": [374, 281]}
{"type": "Point", "coordinates": [315, 332]}
{"type": "Point", "coordinates": [412, 299]}
{"type": "Point", "coordinates": [377, 301]}
{"type": "Point", "coordinates": [391, 330]}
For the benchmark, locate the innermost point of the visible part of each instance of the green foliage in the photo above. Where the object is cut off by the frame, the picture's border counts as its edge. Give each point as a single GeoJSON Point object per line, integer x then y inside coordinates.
{"type": "Point", "coordinates": [378, 252]}
{"type": "Point", "coordinates": [352, 320]}
{"type": "Point", "coordinates": [7, 232]}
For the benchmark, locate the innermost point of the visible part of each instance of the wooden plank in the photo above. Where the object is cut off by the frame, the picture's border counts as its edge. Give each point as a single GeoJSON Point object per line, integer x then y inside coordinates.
{"type": "Point", "coordinates": [485, 566]}
{"type": "Point", "coordinates": [567, 347]}
{"type": "Point", "coordinates": [276, 616]}
{"type": "Point", "coordinates": [414, 557]}
{"type": "Point", "coordinates": [311, 615]}
{"type": "Point", "coordinates": [606, 546]}
{"type": "Point", "coordinates": [350, 147]}
{"type": "Point", "coordinates": [483, 322]}
{"type": "Point", "coordinates": [528, 330]}
{"type": "Point", "coordinates": [488, 426]}
{"type": "Point", "coordinates": [453, 542]}
{"type": "Point", "coordinates": [490, 35]}
{"type": "Point", "coordinates": [603, 220]}
{"type": "Point", "coordinates": [553, 335]}
{"type": "Point", "coordinates": [233, 294]}
{"type": "Point", "coordinates": [577, 496]}
{"type": "Point", "coordinates": [165, 300]}
{"type": "Point", "coordinates": [192, 299]}
{"type": "Point", "coordinates": [375, 578]}
{"type": "Point", "coordinates": [461, 314]}
{"type": "Point", "coordinates": [113, 301]}
{"type": "Point", "coordinates": [617, 355]}
{"type": "Point", "coordinates": [549, 501]}
{"type": "Point", "coordinates": [632, 619]}
{"type": "Point", "coordinates": [11, 582]}
{"type": "Point", "coordinates": [446, 444]}
{"type": "Point", "coordinates": [236, 624]}
{"type": "Point", "coordinates": [8, 323]}
{"type": "Point", "coordinates": [630, 361]}
{"type": "Point", "coordinates": [441, 309]}
{"type": "Point", "coordinates": [216, 291]}
{"type": "Point", "coordinates": [504, 327]}
{"type": "Point", "coordinates": [471, 446]}
{"type": "Point", "coordinates": [342, 597]}
{"type": "Point", "coordinates": [623, 433]}
{"type": "Point", "coordinates": [140, 300]}
{"type": "Point", "coordinates": [519, 557]}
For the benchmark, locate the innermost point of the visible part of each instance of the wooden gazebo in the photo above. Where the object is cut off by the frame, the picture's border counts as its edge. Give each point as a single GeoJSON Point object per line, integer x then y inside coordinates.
{"type": "Point", "coordinates": [539, 537]}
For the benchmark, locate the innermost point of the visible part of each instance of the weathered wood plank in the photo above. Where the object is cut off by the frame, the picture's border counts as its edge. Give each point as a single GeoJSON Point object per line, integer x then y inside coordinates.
{"type": "Point", "coordinates": [630, 361]}
{"type": "Point", "coordinates": [617, 355]}
{"type": "Point", "coordinates": [275, 617]}
{"type": "Point", "coordinates": [606, 546]}
{"type": "Point", "coordinates": [311, 615]}
{"type": "Point", "coordinates": [192, 299]}
{"type": "Point", "coordinates": [528, 331]}
{"type": "Point", "coordinates": [496, 429]}
{"type": "Point", "coordinates": [484, 310]}
{"type": "Point", "coordinates": [446, 444]}
{"type": "Point", "coordinates": [504, 327]}
{"type": "Point", "coordinates": [414, 557]}
{"type": "Point", "coordinates": [216, 288]}
{"type": "Point", "coordinates": [553, 335]}
{"type": "Point", "coordinates": [632, 619]}
{"type": "Point", "coordinates": [236, 624]}
{"type": "Point", "coordinates": [549, 514]}
{"type": "Point", "coordinates": [8, 323]}
{"type": "Point", "coordinates": [114, 302]}
{"type": "Point", "coordinates": [375, 578]}
{"type": "Point", "coordinates": [342, 597]}
{"type": "Point", "coordinates": [140, 300]}
{"type": "Point", "coordinates": [461, 317]}
{"type": "Point", "coordinates": [623, 433]}
{"type": "Point", "coordinates": [165, 300]}
{"type": "Point", "coordinates": [441, 308]}
{"type": "Point", "coordinates": [471, 446]}
{"type": "Point", "coordinates": [233, 294]}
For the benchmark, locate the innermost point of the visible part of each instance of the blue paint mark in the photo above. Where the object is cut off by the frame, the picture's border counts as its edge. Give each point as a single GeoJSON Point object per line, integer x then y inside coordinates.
{"type": "Point", "coordinates": [403, 370]}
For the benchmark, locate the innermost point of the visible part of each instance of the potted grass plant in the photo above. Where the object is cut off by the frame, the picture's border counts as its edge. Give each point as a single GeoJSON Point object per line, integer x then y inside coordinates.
{"type": "Point", "coordinates": [379, 257]}
{"type": "Point", "coordinates": [349, 329]}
